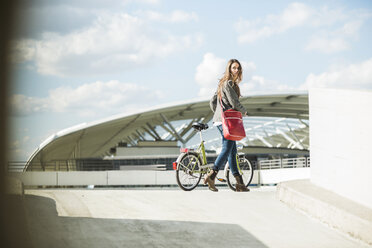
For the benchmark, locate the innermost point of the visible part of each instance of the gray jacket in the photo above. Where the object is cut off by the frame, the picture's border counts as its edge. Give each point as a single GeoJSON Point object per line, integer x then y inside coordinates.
{"type": "Point", "coordinates": [230, 100]}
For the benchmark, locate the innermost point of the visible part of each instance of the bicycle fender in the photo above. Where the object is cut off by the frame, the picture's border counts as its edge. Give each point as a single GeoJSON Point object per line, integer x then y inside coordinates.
{"type": "Point", "coordinates": [182, 155]}
{"type": "Point", "coordinates": [226, 169]}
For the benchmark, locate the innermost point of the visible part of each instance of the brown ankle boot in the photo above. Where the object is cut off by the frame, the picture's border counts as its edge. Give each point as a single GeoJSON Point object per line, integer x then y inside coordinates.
{"type": "Point", "coordinates": [209, 179]}
{"type": "Point", "coordinates": [240, 186]}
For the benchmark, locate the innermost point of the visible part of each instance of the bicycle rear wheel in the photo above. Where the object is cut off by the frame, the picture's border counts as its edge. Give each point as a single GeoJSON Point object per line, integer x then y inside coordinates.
{"type": "Point", "coordinates": [188, 172]}
{"type": "Point", "coordinates": [246, 171]}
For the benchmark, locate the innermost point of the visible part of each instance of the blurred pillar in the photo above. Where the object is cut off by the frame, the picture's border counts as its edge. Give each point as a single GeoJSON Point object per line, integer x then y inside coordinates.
{"type": "Point", "coordinates": [13, 226]}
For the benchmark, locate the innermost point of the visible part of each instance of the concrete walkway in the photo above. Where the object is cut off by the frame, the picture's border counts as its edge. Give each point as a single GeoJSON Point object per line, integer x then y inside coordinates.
{"type": "Point", "coordinates": [172, 218]}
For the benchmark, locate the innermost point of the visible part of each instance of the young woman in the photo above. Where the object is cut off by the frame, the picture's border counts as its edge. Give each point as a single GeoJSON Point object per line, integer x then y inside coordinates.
{"type": "Point", "coordinates": [228, 92]}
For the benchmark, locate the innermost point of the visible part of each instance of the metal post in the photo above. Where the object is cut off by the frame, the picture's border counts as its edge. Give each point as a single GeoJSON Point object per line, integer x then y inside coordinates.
{"type": "Point", "coordinates": [259, 174]}
{"type": "Point", "coordinates": [281, 163]}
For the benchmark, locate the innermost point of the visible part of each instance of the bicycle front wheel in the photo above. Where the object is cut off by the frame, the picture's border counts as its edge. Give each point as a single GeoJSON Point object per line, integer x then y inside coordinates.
{"type": "Point", "coordinates": [188, 172]}
{"type": "Point", "coordinates": [245, 169]}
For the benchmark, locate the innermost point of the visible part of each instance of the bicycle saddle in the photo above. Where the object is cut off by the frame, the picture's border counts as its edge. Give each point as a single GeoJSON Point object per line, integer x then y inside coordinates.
{"type": "Point", "coordinates": [199, 126]}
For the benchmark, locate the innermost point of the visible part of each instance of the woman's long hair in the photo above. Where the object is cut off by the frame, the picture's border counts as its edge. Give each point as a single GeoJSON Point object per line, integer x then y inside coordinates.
{"type": "Point", "coordinates": [228, 76]}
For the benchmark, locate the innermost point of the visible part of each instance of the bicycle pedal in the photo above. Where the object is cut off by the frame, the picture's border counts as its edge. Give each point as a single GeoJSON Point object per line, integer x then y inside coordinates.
{"type": "Point", "coordinates": [221, 180]}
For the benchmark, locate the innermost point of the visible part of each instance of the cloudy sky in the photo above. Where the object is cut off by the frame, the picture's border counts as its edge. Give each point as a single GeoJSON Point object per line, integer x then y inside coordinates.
{"type": "Point", "coordinates": [79, 61]}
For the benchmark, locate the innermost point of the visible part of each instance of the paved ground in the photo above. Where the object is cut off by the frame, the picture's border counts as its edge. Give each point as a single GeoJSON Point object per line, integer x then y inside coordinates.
{"type": "Point", "coordinates": [172, 218]}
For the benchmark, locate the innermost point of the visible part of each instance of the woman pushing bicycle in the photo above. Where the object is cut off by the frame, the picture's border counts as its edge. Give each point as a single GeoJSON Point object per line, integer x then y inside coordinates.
{"type": "Point", "coordinates": [227, 94]}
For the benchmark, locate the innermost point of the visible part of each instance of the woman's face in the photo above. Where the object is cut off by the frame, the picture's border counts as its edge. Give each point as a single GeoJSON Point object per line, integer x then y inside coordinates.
{"type": "Point", "coordinates": [234, 69]}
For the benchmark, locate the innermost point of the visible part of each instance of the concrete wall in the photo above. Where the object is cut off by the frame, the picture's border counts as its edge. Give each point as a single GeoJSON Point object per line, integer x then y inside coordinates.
{"type": "Point", "coordinates": [146, 151]}
{"type": "Point", "coordinates": [341, 142]}
{"type": "Point", "coordinates": [70, 178]}
{"type": "Point", "coordinates": [33, 178]}
{"type": "Point", "coordinates": [107, 178]}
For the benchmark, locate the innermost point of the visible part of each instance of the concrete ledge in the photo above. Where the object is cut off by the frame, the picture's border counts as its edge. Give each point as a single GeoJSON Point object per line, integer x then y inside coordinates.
{"type": "Point", "coordinates": [14, 186]}
{"type": "Point", "coordinates": [339, 212]}
{"type": "Point", "coordinates": [36, 178]}
{"type": "Point", "coordinates": [131, 177]}
{"type": "Point", "coordinates": [141, 177]}
{"type": "Point", "coordinates": [82, 178]}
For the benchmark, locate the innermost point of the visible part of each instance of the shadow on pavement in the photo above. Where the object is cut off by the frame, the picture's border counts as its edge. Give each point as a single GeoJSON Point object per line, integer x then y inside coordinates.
{"type": "Point", "coordinates": [47, 229]}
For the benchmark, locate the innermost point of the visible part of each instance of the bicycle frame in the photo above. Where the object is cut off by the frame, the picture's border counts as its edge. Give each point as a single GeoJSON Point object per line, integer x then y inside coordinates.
{"type": "Point", "coordinates": [200, 151]}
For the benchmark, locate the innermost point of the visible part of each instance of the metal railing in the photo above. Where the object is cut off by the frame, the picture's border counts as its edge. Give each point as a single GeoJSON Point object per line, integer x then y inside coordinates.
{"type": "Point", "coordinates": [97, 165]}
{"type": "Point", "coordinates": [301, 162]}
{"type": "Point", "coordinates": [104, 165]}
{"type": "Point", "coordinates": [16, 166]}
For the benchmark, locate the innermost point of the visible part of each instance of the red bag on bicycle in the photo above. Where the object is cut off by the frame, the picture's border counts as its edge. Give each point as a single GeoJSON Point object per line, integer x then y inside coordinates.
{"type": "Point", "coordinates": [232, 124]}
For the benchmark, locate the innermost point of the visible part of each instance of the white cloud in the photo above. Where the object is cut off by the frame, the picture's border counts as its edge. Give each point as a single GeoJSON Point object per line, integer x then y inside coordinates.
{"type": "Point", "coordinates": [113, 43]}
{"type": "Point", "coordinates": [350, 29]}
{"type": "Point", "coordinates": [149, 1]}
{"type": "Point", "coordinates": [332, 29]}
{"type": "Point", "coordinates": [175, 16]}
{"type": "Point", "coordinates": [24, 105]}
{"type": "Point", "coordinates": [91, 99]}
{"type": "Point", "coordinates": [17, 150]}
{"type": "Point", "coordinates": [353, 76]}
{"type": "Point", "coordinates": [295, 15]}
{"type": "Point", "coordinates": [23, 50]}
{"type": "Point", "coordinates": [327, 44]}
{"type": "Point", "coordinates": [260, 85]}
{"type": "Point", "coordinates": [208, 73]}
{"type": "Point", "coordinates": [248, 69]}
{"type": "Point", "coordinates": [182, 16]}
{"type": "Point", "coordinates": [337, 40]}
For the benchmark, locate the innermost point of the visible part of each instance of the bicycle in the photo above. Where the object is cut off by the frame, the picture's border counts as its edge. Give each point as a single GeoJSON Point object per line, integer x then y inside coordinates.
{"type": "Point", "coordinates": [191, 165]}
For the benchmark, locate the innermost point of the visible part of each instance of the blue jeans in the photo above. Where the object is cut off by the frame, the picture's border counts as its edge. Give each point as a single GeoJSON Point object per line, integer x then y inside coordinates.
{"type": "Point", "coordinates": [228, 153]}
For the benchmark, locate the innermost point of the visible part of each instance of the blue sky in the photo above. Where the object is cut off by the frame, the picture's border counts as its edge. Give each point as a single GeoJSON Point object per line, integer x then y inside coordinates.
{"type": "Point", "coordinates": [80, 61]}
